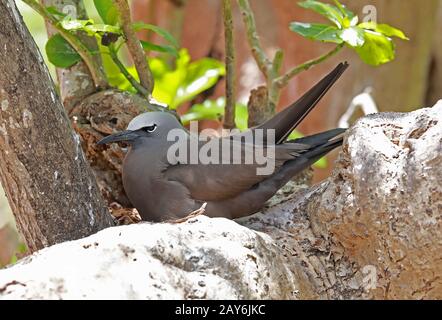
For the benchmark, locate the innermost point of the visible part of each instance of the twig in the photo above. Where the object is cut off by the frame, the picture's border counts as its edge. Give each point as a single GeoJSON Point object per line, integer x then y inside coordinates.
{"type": "Point", "coordinates": [126, 74]}
{"type": "Point", "coordinates": [282, 81]}
{"type": "Point", "coordinates": [273, 90]}
{"type": "Point", "coordinates": [134, 46]}
{"type": "Point", "coordinates": [277, 63]}
{"type": "Point", "coordinates": [229, 114]}
{"type": "Point", "coordinates": [95, 69]}
{"type": "Point", "coordinates": [263, 62]}
{"type": "Point", "coordinates": [270, 69]}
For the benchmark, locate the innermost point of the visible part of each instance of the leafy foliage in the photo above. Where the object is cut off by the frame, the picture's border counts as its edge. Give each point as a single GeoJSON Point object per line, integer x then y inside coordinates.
{"type": "Point", "coordinates": [214, 110]}
{"type": "Point", "coordinates": [181, 83]}
{"type": "Point", "coordinates": [173, 46]}
{"type": "Point", "coordinates": [371, 41]}
{"type": "Point", "coordinates": [19, 252]}
{"type": "Point", "coordinates": [108, 32]}
{"type": "Point", "coordinates": [107, 11]}
{"type": "Point", "coordinates": [60, 53]}
{"type": "Point", "coordinates": [149, 46]}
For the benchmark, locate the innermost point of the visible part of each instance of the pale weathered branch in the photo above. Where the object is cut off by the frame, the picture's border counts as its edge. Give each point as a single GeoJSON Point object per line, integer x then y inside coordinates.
{"type": "Point", "coordinates": [134, 46]}
{"type": "Point", "coordinates": [229, 114]}
{"type": "Point", "coordinates": [261, 58]}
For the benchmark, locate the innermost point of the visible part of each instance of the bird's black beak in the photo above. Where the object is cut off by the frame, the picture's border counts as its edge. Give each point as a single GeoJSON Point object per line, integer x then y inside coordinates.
{"type": "Point", "coordinates": [124, 136]}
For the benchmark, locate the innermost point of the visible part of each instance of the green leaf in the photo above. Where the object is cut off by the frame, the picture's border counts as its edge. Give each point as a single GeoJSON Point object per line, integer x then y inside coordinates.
{"type": "Point", "coordinates": [344, 10]}
{"type": "Point", "coordinates": [53, 10]}
{"type": "Point", "coordinates": [174, 86]}
{"type": "Point", "coordinates": [321, 163]}
{"type": "Point", "coordinates": [294, 135]}
{"type": "Point", "coordinates": [241, 116]}
{"type": "Point", "coordinates": [107, 11]}
{"type": "Point", "coordinates": [167, 81]}
{"type": "Point", "coordinates": [353, 36]}
{"type": "Point", "coordinates": [60, 53]}
{"type": "Point", "coordinates": [101, 28]}
{"type": "Point", "coordinates": [22, 248]}
{"type": "Point", "coordinates": [329, 11]}
{"type": "Point", "coordinates": [209, 110]}
{"type": "Point", "coordinates": [201, 75]}
{"type": "Point", "coordinates": [158, 48]}
{"type": "Point", "coordinates": [74, 24]}
{"type": "Point", "coordinates": [385, 29]}
{"type": "Point", "coordinates": [377, 49]}
{"type": "Point", "coordinates": [214, 110]}
{"type": "Point", "coordinates": [13, 259]}
{"type": "Point", "coordinates": [317, 31]}
{"type": "Point", "coordinates": [137, 26]}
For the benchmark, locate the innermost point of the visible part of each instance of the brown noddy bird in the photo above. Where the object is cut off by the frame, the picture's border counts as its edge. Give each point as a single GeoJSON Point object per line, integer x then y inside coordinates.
{"type": "Point", "coordinates": [164, 185]}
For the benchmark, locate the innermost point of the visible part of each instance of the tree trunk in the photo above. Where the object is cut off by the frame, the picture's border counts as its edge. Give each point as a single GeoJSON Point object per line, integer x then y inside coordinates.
{"type": "Point", "coordinates": [50, 186]}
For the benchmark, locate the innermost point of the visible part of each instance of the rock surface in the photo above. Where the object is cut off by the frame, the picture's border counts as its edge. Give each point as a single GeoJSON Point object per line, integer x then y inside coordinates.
{"type": "Point", "coordinates": [201, 259]}
{"type": "Point", "coordinates": [372, 230]}
{"type": "Point", "coordinates": [382, 211]}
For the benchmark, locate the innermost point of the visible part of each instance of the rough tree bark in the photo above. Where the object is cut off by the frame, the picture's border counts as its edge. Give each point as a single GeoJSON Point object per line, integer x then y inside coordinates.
{"type": "Point", "coordinates": [49, 184]}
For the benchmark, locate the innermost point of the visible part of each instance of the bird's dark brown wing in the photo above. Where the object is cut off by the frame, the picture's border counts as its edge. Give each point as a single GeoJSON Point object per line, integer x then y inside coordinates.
{"type": "Point", "coordinates": [215, 182]}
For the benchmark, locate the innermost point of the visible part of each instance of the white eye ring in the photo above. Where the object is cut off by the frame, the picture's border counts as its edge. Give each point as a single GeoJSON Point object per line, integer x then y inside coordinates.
{"type": "Point", "coordinates": [151, 128]}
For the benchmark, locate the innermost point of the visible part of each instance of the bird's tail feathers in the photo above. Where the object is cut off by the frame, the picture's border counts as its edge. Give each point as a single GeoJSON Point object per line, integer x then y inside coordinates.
{"type": "Point", "coordinates": [305, 160]}
{"type": "Point", "coordinates": [320, 138]}
{"type": "Point", "coordinates": [319, 151]}
{"type": "Point", "coordinates": [285, 121]}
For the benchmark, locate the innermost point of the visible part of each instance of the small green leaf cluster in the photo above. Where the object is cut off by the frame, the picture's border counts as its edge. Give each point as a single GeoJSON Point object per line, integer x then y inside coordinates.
{"type": "Point", "coordinates": [62, 55]}
{"type": "Point", "coordinates": [178, 83]}
{"type": "Point", "coordinates": [372, 42]}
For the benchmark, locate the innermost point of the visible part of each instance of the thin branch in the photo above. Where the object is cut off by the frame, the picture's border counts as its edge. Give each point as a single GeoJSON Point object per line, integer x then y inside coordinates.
{"type": "Point", "coordinates": [126, 74]}
{"type": "Point", "coordinates": [273, 91]}
{"type": "Point", "coordinates": [94, 68]}
{"type": "Point", "coordinates": [283, 80]}
{"type": "Point", "coordinates": [229, 114]}
{"type": "Point", "coordinates": [134, 46]}
{"type": "Point", "coordinates": [277, 63]}
{"type": "Point", "coordinates": [262, 60]}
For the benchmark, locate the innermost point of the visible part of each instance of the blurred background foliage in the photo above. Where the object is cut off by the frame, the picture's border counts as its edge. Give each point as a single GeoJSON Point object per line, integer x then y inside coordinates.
{"type": "Point", "coordinates": [191, 80]}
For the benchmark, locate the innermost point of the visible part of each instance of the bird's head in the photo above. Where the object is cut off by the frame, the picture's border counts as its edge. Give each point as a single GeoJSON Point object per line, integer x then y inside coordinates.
{"type": "Point", "coordinates": [149, 125]}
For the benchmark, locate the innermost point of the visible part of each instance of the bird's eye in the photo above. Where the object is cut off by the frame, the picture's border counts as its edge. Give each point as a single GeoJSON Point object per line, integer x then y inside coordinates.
{"type": "Point", "coordinates": [150, 128]}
